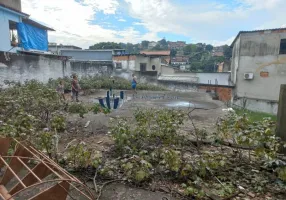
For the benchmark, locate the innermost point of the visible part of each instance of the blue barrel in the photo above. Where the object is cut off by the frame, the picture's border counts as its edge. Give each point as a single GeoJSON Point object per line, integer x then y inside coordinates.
{"type": "Point", "coordinates": [121, 95]}
{"type": "Point", "coordinates": [116, 102]}
{"type": "Point", "coordinates": [108, 102]}
{"type": "Point", "coordinates": [101, 102]}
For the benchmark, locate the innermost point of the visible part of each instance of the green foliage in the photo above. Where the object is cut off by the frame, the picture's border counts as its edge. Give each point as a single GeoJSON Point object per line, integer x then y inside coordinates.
{"type": "Point", "coordinates": [106, 110]}
{"type": "Point", "coordinates": [96, 108]}
{"type": "Point", "coordinates": [27, 108]}
{"type": "Point", "coordinates": [226, 190]}
{"type": "Point", "coordinates": [151, 127]}
{"type": "Point", "coordinates": [170, 159]}
{"type": "Point", "coordinates": [105, 45]}
{"type": "Point", "coordinates": [79, 156]}
{"type": "Point", "coordinates": [78, 108]}
{"type": "Point", "coordinates": [209, 47]}
{"type": "Point", "coordinates": [227, 51]}
{"type": "Point", "coordinates": [260, 134]}
{"type": "Point", "coordinates": [255, 116]}
{"type": "Point", "coordinates": [58, 123]}
{"type": "Point", "coordinates": [45, 142]}
{"type": "Point", "coordinates": [136, 168]}
{"type": "Point", "coordinates": [191, 48]}
{"type": "Point", "coordinates": [282, 173]}
{"type": "Point", "coordinates": [144, 44]}
{"type": "Point", "coordinates": [173, 52]}
{"type": "Point", "coordinates": [104, 82]}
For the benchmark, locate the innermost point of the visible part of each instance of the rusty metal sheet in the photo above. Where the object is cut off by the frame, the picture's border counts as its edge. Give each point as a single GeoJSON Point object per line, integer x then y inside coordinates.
{"type": "Point", "coordinates": [57, 192]}
{"type": "Point", "coordinates": [40, 170]}
{"type": "Point", "coordinates": [15, 164]}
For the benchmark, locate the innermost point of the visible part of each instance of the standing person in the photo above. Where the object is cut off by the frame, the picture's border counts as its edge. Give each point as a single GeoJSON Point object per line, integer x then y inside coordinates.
{"type": "Point", "coordinates": [134, 82]}
{"type": "Point", "coordinates": [61, 89]}
{"type": "Point", "coordinates": [75, 88]}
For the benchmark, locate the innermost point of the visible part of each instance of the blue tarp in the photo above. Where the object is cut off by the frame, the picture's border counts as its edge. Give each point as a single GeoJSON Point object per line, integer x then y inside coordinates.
{"type": "Point", "coordinates": [32, 37]}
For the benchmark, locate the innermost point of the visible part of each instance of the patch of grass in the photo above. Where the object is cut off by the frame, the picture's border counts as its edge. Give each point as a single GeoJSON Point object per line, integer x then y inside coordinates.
{"type": "Point", "coordinates": [255, 116]}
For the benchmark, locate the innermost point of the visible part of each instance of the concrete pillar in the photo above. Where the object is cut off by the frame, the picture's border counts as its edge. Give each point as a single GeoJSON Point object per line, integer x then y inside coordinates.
{"type": "Point", "coordinates": [281, 116]}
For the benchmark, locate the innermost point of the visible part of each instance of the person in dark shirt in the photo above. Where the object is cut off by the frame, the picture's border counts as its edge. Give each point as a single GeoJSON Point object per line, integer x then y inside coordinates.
{"type": "Point", "coordinates": [75, 88]}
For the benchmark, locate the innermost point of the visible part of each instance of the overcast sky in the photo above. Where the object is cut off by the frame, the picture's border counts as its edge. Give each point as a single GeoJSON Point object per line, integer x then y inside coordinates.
{"type": "Point", "coordinates": [85, 22]}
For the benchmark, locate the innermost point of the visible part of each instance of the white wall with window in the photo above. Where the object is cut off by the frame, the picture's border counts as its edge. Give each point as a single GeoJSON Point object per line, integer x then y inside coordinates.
{"type": "Point", "coordinates": [262, 54]}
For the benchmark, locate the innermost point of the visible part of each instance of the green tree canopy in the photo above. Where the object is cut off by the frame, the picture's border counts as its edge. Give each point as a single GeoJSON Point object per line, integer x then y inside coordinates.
{"type": "Point", "coordinates": [106, 45]}
{"type": "Point", "coordinates": [188, 49]}
{"type": "Point", "coordinates": [173, 52]}
{"type": "Point", "coordinates": [209, 47]}
{"type": "Point", "coordinates": [227, 51]}
{"type": "Point", "coordinates": [145, 44]}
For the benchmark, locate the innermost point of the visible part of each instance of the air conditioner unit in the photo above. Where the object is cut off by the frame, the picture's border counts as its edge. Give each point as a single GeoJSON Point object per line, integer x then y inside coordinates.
{"type": "Point", "coordinates": [248, 76]}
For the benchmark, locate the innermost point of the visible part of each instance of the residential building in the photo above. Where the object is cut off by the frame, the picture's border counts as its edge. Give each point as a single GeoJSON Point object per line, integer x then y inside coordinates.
{"type": "Point", "coordinates": [151, 45]}
{"type": "Point", "coordinates": [12, 4]}
{"type": "Point", "coordinates": [259, 68]}
{"type": "Point", "coordinates": [18, 31]}
{"type": "Point", "coordinates": [88, 55]}
{"type": "Point", "coordinates": [218, 51]}
{"type": "Point", "coordinates": [177, 45]}
{"type": "Point", "coordinates": [92, 55]}
{"type": "Point", "coordinates": [224, 66]}
{"type": "Point", "coordinates": [56, 49]}
{"type": "Point", "coordinates": [179, 60]}
{"type": "Point", "coordinates": [137, 62]}
{"type": "Point", "coordinates": [165, 55]}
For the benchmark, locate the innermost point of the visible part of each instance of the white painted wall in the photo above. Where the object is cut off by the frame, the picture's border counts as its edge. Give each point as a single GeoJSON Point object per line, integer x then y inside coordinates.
{"type": "Point", "coordinates": [260, 53]}
{"type": "Point", "coordinates": [149, 63]}
{"type": "Point", "coordinates": [203, 78]}
{"type": "Point", "coordinates": [257, 105]}
{"type": "Point", "coordinates": [40, 69]}
{"type": "Point", "coordinates": [235, 60]}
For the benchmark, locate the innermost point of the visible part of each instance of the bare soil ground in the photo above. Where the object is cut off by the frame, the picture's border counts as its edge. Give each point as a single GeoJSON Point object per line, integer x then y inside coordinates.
{"type": "Point", "coordinates": [96, 134]}
{"type": "Point", "coordinates": [205, 113]}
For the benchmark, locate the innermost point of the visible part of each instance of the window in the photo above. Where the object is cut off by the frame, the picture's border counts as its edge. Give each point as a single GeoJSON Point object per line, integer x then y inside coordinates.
{"type": "Point", "coordinates": [143, 67]}
{"type": "Point", "coordinates": [282, 46]}
{"type": "Point", "coordinates": [13, 33]}
{"type": "Point", "coordinates": [153, 67]}
{"type": "Point", "coordinates": [118, 65]}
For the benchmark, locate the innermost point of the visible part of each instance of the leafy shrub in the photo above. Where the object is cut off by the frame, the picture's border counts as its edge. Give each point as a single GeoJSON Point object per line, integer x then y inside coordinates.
{"type": "Point", "coordinates": [58, 123]}
{"type": "Point", "coordinates": [282, 173]}
{"type": "Point", "coordinates": [78, 108]}
{"type": "Point", "coordinates": [241, 131]}
{"type": "Point", "coordinates": [79, 156]}
{"type": "Point", "coordinates": [103, 82]}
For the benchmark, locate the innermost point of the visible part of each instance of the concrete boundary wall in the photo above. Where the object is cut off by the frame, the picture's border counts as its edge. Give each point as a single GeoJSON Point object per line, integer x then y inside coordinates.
{"type": "Point", "coordinates": [20, 67]}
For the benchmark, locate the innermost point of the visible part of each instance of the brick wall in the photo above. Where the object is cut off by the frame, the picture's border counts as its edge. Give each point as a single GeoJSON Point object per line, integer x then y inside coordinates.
{"type": "Point", "coordinates": [120, 58]}
{"type": "Point", "coordinates": [224, 93]}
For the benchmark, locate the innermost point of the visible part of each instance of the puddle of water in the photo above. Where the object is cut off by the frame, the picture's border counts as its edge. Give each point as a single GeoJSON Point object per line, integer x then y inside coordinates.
{"type": "Point", "coordinates": [184, 104]}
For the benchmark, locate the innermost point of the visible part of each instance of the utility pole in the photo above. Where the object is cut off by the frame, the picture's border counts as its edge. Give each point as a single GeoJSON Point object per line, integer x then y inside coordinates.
{"type": "Point", "coordinates": [281, 116]}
